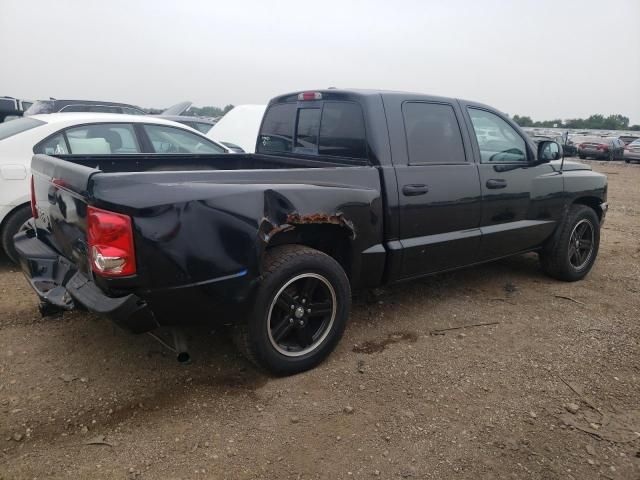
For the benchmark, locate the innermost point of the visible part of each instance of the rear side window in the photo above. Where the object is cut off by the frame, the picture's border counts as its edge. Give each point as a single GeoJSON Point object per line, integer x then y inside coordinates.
{"type": "Point", "coordinates": [166, 139]}
{"type": "Point", "coordinates": [277, 129]}
{"type": "Point", "coordinates": [115, 138]}
{"type": "Point", "coordinates": [55, 145]}
{"type": "Point", "coordinates": [19, 125]}
{"type": "Point", "coordinates": [433, 133]}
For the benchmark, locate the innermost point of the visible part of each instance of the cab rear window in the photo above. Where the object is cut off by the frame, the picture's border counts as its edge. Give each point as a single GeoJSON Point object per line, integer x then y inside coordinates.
{"type": "Point", "coordinates": [19, 125]}
{"type": "Point", "coordinates": [330, 129]}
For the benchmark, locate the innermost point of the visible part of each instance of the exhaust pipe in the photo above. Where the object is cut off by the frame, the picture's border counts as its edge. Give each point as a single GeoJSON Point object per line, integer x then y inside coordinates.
{"type": "Point", "coordinates": [180, 344]}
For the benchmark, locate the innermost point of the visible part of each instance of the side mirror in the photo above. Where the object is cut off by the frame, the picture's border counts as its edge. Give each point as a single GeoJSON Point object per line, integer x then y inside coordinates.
{"type": "Point", "coordinates": [548, 151]}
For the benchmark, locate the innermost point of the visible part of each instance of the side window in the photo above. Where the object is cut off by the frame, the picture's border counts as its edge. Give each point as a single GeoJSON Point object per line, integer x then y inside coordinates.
{"type": "Point", "coordinates": [53, 146]}
{"type": "Point", "coordinates": [166, 139]}
{"type": "Point", "coordinates": [342, 132]}
{"type": "Point", "coordinates": [307, 130]}
{"type": "Point", "coordinates": [433, 134]}
{"type": "Point", "coordinates": [277, 128]}
{"type": "Point", "coordinates": [102, 138]}
{"type": "Point", "coordinates": [497, 140]}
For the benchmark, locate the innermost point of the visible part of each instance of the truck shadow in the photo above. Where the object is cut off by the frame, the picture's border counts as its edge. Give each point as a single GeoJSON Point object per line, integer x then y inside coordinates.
{"type": "Point", "coordinates": [6, 265]}
{"type": "Point", "coordinates": [149, 380]}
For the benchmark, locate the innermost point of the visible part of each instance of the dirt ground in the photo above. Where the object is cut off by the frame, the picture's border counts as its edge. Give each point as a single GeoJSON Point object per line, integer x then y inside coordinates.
{"type": "Point", "coordinates": [397, 399]}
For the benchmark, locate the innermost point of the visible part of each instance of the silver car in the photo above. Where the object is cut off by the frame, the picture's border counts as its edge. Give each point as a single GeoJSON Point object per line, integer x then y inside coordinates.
{"type": "Point", "coordinates": [632, 151]}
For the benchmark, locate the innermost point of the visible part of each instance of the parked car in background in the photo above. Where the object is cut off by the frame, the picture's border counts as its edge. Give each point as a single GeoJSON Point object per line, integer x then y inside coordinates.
{"type": "Point", "coordinates": [177, 113]}
{"type": "Point", "coordinates": [632, 152]}
{"type": "Point", "coordinates": [627, 139]}
{"type": "Point", "coordinates": [202, 124]}
{"type": "Point", "coordinates": [239, 126]}
{"type": "Point", "coordinates": [349, 189]}
{"type": "Point", "coordinates": [601, 148]}
{"type": "Point", "coordinates": [80, 134]}
{"type": "Point", "coordinates": [12, 108]}
{"type": "Point", "coordinates": [54, 106]}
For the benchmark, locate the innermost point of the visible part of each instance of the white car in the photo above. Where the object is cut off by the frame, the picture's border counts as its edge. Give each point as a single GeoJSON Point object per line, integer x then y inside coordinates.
{"type": "Point", "coordinates": [79, 134]}
{"type": "Point", "coordinates": [239, 126]}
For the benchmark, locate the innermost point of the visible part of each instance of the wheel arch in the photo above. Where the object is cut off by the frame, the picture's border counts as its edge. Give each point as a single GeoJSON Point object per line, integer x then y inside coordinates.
{"type": "Point", "coordinates": [591, 202]}
{"type": "Point", "coordinates": [331, 239]}
{"type": "Point", "coordinates": [10, 213]}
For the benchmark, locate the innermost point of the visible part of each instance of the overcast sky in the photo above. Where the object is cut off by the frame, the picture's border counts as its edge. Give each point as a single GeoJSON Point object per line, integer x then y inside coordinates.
{"type": "Point", "coordinates": [543, 58]}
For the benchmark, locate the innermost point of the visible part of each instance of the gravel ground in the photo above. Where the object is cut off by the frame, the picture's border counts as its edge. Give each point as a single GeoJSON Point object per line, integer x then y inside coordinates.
{"type": "Point", "coordinates": [550, 390]}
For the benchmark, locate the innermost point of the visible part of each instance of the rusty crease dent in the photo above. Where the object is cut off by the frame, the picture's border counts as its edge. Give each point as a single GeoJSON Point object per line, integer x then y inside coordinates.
{"type": "Point", "coordinates": [295, 218]}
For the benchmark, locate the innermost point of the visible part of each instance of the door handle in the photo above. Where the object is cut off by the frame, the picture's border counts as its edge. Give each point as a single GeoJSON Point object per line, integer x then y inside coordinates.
{"type": "Point", "coordinates": [413, 190]}
{"type": "Point", "coordinates": [496, 183]}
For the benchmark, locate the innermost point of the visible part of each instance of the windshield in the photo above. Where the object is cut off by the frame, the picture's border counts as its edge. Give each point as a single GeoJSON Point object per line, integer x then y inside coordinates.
{"type": "Point", "coordinates": [19, 125]}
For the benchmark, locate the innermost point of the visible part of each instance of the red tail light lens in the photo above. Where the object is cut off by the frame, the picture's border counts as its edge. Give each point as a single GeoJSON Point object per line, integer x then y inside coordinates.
{"type": "Point", "coordinates": [34, 210]}
{"type": "Point", "coordinates": [110, 238]}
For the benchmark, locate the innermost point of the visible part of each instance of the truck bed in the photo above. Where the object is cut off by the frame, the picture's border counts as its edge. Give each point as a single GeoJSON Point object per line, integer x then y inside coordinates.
{"type": "Point", "coordinates": [199, 226]}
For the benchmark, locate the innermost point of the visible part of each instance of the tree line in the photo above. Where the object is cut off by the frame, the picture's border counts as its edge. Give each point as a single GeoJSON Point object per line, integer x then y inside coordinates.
{"type": "Point", "coordinates": [595, 122]}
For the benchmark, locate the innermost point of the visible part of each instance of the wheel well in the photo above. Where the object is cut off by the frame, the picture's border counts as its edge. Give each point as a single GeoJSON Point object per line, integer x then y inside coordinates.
{"type": "Point", "coordinates": [592, 202]}
{"type": "Point", "coordinates": [11, 212]}
{"type": "Point", "coordinates": [330, 239]}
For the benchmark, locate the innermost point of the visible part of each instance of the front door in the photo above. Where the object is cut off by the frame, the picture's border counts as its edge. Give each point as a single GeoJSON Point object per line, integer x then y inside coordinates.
{"type": "Point", "coordinates": [439, 191]}
{"type": "Point", "coordinates": [521, 200]}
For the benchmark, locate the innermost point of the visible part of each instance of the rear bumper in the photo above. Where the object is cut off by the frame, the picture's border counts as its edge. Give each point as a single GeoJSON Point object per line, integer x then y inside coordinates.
{"type": "Point", "coordinates": [59, 285]}
{"type": "Point", "coordinates": [594, 153]}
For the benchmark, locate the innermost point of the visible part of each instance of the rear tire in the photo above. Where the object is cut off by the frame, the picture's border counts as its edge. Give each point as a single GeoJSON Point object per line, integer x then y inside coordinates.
{"type": "Point", "coordinates": [582, 157]}
{"type": "Point", "coordinates": [566, 256]}
{"type": "Point", "coordinates": [286, 340]}
{"type": "Point", "coordinates": [12, 225]}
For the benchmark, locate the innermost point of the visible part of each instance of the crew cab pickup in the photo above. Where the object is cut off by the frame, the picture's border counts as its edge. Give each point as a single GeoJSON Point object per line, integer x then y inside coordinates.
{"type": "Point", "coordinates": [348, 189]}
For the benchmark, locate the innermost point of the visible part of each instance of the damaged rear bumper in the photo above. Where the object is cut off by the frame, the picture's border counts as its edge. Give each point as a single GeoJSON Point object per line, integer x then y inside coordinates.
{"type": "Point", "coordinates": [60, 286]}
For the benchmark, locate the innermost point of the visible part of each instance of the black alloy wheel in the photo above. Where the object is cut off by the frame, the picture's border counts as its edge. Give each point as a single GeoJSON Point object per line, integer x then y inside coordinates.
{"type": "Point", "coordinates": [581, 244]}
{"type": "Point", "coordinates": [301, 314]}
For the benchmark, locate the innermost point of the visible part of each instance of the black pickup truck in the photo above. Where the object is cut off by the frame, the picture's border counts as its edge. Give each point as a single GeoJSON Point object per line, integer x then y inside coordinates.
{"type": "Point", "coordinates": [348, 189]}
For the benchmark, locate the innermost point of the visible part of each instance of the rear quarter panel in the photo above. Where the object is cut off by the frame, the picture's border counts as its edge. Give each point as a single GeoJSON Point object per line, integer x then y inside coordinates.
{"type": "Point", "coordinates": [199, 230]}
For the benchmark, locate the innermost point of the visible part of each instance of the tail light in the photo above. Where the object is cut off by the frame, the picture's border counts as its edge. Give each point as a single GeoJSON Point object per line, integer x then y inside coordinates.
{"type": "Point", "coordinates": [34, 210]}
{"type": "Point", "coordinates": [110, 238]}
{"type": "Point", "coordinates": [581, 145]}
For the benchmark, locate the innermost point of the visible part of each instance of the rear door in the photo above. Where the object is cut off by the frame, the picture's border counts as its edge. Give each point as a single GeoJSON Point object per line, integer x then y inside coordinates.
{"type": "Point", "coordinates": [439, 191]}
{"type": "Point", "coordinates": [521, 200]}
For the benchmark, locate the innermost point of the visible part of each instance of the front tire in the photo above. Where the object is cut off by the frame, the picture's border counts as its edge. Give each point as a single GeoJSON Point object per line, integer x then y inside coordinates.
{"type": "Point", "coordinates": [572, 251]}
{"type": "Point", "coordinates": [582, 157]}
{"type": "Point", "coordinates": [12, 225]}
{"type": "Point", "coordinates": [286, 340]}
